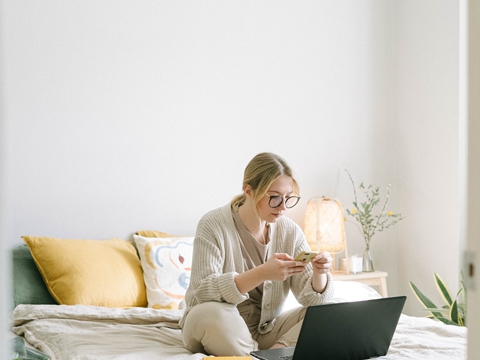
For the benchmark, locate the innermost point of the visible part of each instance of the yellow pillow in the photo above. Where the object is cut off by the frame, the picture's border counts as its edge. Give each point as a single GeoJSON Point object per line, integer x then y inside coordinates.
{"type": "Point", "coordinates": [154, 234]}
{"type": "Point", "coordinates": [90, 272]}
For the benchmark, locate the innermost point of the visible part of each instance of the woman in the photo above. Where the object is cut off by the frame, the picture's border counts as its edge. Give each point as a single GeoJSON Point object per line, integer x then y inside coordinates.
{"type": "Point", "coordinates": [243, 268]}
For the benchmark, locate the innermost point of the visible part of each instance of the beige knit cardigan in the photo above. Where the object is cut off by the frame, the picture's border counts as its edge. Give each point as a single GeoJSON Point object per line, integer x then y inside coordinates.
{"type": "Point", "coordinates": [217, 259]}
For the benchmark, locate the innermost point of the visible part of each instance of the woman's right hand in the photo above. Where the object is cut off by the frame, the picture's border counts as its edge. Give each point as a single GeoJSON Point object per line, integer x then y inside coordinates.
{"type": "Point", "coordinates": [280, 266]}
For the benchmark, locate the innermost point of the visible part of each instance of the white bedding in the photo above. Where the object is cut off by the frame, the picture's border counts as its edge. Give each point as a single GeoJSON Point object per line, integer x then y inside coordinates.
{"type": "Point", "coordinates": [96, 333]}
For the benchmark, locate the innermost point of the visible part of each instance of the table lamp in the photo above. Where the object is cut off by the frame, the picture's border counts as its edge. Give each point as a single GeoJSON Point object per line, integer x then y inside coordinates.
{"type": "Point", "coordinates": [324, 227]}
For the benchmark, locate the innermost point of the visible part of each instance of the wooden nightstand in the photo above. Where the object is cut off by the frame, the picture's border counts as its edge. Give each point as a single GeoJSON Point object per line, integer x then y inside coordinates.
{"type": "Point", "coordinates": [374, 278]}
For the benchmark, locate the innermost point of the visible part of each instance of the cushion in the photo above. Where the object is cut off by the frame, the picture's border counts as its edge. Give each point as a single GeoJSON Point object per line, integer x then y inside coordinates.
{"type": "Point", "coordinates": [154, 234]}
{"type": "Point", "coordinates": [166, 264]}
{"type": "Point", "coordinates": [90, 272]}
{"type": "Point", "coordinates": [28, 284]}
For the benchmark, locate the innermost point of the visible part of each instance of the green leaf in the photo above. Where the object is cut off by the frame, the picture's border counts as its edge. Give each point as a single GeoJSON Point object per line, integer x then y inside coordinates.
{"type": "Point", "coordinates": [425, 301]}
{"type": "Point", "coordinates": [442, 288]}
{"type": "Point", "coordinates": [440, 310]}
{"type": "Point", "coordinates": [461, 292]}
{"type": "Point", "coordinates": [445, 320]}
{"type": "Point", "coordinates": [454, 312]}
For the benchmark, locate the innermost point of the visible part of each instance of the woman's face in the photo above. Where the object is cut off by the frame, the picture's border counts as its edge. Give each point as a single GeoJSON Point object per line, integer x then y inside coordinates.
{"type": "Point", "coordinates": [283, 186]}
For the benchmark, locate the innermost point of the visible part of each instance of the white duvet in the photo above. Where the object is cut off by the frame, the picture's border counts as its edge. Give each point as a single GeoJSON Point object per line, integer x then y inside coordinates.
{"type": "Point", "coordinates": [96, 333]}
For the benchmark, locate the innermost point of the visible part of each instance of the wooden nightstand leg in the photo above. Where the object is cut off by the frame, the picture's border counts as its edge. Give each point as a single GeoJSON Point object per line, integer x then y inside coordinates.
{"type": "Point", "coordinates": [383, 287]}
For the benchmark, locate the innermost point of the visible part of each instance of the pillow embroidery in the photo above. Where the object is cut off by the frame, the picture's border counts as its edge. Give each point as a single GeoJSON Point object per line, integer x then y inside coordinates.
{"type": "Point", "coordinates": [166, 264]}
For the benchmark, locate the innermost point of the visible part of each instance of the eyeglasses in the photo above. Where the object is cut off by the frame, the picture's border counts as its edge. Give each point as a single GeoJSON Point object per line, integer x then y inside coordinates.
{"type": "Point", "coordinates": [277, 200]}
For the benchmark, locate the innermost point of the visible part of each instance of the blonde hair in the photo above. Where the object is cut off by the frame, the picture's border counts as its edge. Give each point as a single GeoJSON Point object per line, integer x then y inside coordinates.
{"type": "Point", "coordinates": [260, 173]}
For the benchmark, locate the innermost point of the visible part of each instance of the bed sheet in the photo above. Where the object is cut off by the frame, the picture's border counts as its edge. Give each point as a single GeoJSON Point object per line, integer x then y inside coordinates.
{"type": "Point", "coordinates": [96, 333]}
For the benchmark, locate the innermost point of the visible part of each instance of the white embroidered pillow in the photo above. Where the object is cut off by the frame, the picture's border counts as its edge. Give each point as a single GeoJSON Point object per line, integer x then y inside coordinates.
{"type": "Point", "coordinates": [166, 264]}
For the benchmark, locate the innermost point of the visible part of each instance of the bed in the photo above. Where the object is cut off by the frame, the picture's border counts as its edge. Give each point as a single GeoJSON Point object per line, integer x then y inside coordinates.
{"type": "Point", "coordinates": [115, 299]}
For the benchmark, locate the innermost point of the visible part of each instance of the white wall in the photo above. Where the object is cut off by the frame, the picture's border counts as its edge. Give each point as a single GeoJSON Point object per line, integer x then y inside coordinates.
{"type": "Point", "coordinates": [5, 285]}
{"type": "Point", "coordinates": [127, 117]}
{"type": "Point", "coordinates": [122, 116]}
{"type": "Point", "coordinates": [470, 12]}
{"type": "Point", "coordinates": [427, 114]}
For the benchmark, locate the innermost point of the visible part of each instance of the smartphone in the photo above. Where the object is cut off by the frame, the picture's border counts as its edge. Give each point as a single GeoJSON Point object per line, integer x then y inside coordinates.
{"type": "Point", "coordinates": [306, 256]}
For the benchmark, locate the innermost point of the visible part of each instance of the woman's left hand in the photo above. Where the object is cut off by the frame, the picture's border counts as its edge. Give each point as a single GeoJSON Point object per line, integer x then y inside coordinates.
{"type": "Point", "coordinates": [322, 263]}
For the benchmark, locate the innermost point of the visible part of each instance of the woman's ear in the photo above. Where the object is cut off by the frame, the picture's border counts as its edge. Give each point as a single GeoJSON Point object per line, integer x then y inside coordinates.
{"type": "Point", "coordinates": [247, 189]}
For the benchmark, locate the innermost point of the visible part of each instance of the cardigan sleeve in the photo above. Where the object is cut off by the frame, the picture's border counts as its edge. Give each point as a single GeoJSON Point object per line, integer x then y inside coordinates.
{"type": "Point", "coordinates": [308, 296]}
{"type": "Point", "coordinates": [213, 269]}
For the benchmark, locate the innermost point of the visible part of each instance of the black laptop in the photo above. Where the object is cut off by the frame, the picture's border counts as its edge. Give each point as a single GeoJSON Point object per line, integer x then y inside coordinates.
{"type": "Point", "coordinates": [350, 330]}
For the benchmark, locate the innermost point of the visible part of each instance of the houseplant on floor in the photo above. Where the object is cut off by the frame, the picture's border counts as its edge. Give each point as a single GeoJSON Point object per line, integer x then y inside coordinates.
{"type": "Point", "coordinates": [370, 221]}
{"type": "Point", "coordinates": [455, 309]}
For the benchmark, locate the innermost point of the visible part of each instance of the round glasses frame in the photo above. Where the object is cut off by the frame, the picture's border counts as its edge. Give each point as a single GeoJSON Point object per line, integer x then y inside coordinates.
{"type": "Point", "coordinates": [276, 200]}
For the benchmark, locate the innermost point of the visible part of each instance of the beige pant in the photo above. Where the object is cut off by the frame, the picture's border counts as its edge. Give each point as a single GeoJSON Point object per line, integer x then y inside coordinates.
{"type": "Point", "coordinates": [218, 329]}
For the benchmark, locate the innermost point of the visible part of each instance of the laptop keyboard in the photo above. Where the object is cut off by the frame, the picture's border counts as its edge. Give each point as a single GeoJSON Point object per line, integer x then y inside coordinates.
{"type": "Point", "coordinates": [288, 357]}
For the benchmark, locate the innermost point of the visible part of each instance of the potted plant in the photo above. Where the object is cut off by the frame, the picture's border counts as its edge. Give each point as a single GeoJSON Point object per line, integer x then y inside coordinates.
{"type": "Point", "coordinates": [369, 220]}
{"type": "Point", "coordinates": [455, 309]}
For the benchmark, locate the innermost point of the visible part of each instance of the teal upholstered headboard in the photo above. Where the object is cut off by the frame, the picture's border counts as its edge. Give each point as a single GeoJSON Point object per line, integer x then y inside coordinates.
{"type": "Point", "coordinates": [28, 284]}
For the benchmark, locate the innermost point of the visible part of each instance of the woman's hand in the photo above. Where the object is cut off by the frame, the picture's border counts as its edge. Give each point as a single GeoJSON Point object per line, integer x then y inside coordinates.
{"type": "Point", "coordinates": [322, 263]}
{"type": "Point", "coordinates": [281, 266]}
